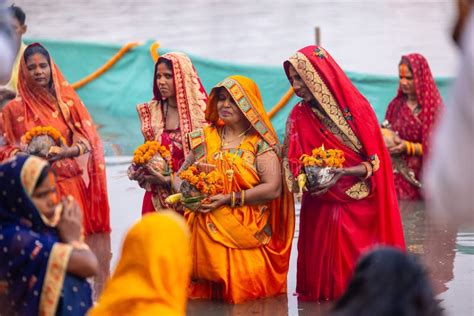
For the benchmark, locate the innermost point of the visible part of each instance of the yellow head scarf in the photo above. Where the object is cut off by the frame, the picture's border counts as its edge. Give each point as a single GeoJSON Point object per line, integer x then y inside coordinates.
{"type": "Point", "coordinates": [152, 275]}
{"type": "Point", "coordinates": [247, 96]}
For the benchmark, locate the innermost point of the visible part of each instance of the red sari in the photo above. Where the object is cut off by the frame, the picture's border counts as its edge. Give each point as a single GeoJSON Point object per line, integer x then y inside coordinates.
{"type": "Point", "coordinates": [355, 215]}
{"type": "Point", "coordinates": [82, 177]}
{"type": "Point", "coordinates": [191, 100]}
{"type": "Point", "coordinates": [415, 128]}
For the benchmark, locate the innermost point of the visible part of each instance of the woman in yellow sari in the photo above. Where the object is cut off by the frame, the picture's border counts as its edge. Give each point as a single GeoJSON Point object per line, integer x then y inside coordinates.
{"type": "Point", "coordinates": [241, 240]}
{"type": "Point", "coordinates": [152, 275]}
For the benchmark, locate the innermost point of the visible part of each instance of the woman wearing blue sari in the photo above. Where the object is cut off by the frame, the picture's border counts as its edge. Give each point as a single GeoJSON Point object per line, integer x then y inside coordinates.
{"type": "Point", "coordinates": [43, 262]}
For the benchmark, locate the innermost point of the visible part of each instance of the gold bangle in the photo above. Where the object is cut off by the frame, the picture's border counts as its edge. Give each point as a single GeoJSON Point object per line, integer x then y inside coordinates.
{"type": "Point", "coordinates": [421, 149]}
{"type": "Point", "coordinates": [243, 198]}
{"type": "Point", "coordinates": [368, 167]}
{"type": "Point", "coordinates": [408, 148]}
{"type": "Point", "coordinates": [232, 199]}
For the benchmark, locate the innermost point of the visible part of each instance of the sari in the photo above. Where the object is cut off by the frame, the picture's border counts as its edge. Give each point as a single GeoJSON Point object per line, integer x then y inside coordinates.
{"type": "Point", "coordinates": [152, 274]}
{"type": "Point", "coordinates": [33, 261]}
{"type": "Point", "coordinates": [82, 177]}
{"type": "Point", "coordinates": [240, 253]}
{"type": "Point", "coordinates": [355, 214]}
{"type": "Point", "coordinates": [416, 128]}
{"type": "Point", "coordinates": [191, 100]}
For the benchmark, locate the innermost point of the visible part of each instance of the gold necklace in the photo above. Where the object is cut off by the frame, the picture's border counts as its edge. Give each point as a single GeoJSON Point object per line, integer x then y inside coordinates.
{"type": "Point", "coordinates": [224, 143]}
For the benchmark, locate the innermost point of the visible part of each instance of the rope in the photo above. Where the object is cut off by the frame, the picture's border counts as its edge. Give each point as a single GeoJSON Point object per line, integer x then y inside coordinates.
{"type": "Point", "coordinates": [105, 67]}
{"type": "Point", "coordinates": [281, 104]}
{"type": "Point", "coordinates": [154, 51]}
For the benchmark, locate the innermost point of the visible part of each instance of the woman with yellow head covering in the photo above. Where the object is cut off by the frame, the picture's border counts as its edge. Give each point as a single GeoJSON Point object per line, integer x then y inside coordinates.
{"type": "Point", "coordinates": [152, 275]}
{"type": "Point", "coordinates": [241, 239]}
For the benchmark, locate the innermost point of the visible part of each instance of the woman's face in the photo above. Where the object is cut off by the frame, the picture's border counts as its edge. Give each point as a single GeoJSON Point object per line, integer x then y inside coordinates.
{"type": "Point", "coordinates": [44, 197]}
{"type": "Point", "coordinates": [228, 111]}
{"type": "Point", "coordinates": [165, 81]}
{"type": "Point", "coordinates": [301, 90]}
{"type": "Point", "coordinates": [39, 69]}
{"type": "Point", "coordinates": [406, 80]}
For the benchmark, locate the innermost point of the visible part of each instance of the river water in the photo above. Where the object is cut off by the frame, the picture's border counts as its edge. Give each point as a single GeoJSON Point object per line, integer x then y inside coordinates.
{"type": "Point", "coordinates": [363, 36]}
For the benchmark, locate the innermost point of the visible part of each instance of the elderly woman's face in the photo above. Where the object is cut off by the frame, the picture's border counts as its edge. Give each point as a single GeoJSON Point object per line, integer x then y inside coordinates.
{"type": "Point", "coordinates": [406, 79]}
{"type": "Point", "coordinates": [39, 69]}
{"type": "Point", "coordinates": [228, 111]}
{"type": "Point", "coordinates": [301, 90]}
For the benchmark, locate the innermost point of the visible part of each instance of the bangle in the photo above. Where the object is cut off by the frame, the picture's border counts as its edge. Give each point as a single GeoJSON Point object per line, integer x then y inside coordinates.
{"type": "Point", "coordinates": [79, 245]}
{"type": "Point", "coordinates": [419, 147]}
{"type": "Point", "coordinates": [242, 202]}
{"type": "Point", "coordinates": [368, 167]}
{"type": "Point", "coordinates": [238, 198]}
{"type": "Point", "coordinates": [232, 199]}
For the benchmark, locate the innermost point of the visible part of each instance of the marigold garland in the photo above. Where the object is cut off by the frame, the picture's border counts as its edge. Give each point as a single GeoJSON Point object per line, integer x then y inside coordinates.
{"type": "Point", "coordinates": [43, 130]}
{"type": "Point", "coordinates": [320, 157]}
{"type": "Point", "coordinates": [209, 184]}
{"type": "Point", "coordinates": [145, 152]}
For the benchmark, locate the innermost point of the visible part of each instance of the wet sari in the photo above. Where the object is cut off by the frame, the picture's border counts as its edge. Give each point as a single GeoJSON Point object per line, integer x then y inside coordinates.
{"type": "Point", "coordinates": [33, 261]}
{"type": "Point", "coordinates": [240, 253]}
{"type": "Point", "coordinates": [82, 177]}
{"type": "Point", "coordinates": [191, 100]}
{"type": "Point", "coordinates": [152, 274]}
{"type": "Point", "coordinates": [416, 128]}
{"type": "Point", "coordinates": [355, 214]}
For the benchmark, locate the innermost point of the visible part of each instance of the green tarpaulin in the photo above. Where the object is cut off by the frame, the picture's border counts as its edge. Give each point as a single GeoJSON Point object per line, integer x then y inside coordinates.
{"type": "Point", "coordinates": [112, 97]}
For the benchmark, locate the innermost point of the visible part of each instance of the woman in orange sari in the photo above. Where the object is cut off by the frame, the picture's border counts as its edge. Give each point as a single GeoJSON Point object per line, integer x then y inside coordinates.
{"type": "Point", "coordinates": [152, 275]}
{"type": "Point", "coordinates": [177, 108]}
{"type": "Point", "coordinates": [240, 249]}
{"type": "Point", "coordinates": [46, 99]}
{"type": "Point", "coordinates": [357, 209]}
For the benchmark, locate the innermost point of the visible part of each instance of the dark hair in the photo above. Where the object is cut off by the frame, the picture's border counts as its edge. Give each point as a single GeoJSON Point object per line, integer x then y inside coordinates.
{"type": "Point", "coordinates": [405, 61]}
{"type": "Point", "coordinates": [167, 62]}
{"type": "Point", "coordinates": [18, 13]}
{"type": "Point", "coordinates": [43, 175]}
{"type": "Point", "coordinates": [36, 49]}
{"type": "Point", "coordinates": [388, 282]}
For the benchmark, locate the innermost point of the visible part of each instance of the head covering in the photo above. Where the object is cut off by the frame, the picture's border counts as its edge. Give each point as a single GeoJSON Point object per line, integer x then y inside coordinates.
{"type": "Point", "coordinates": [427, 95]}
{"type": "Point", "coordinates": [18, 179]}
{"type": "Point", "coordinates": [191, 97]}
{"type": "Point", "coordinates": [152, 275]}
{"type": "Point", "coordinates": [353, 115]}
{"type": "Point", "coordinates": [246, 95]}
{"type": "Point", "coordinates": [41, 104]}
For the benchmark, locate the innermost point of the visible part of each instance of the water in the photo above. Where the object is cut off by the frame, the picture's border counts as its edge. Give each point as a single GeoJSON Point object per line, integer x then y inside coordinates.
{"type": "Point", "coordinates": [447, 253]}
{"type": "Point", "coordinates": [364, 36]}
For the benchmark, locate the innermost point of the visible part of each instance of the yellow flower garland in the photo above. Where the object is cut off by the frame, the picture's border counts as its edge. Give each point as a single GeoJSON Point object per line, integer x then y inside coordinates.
{"type": "Point", "coordinates": [210, 184]}
{"type": "Point", "coordinates": [145, 152]}
{"type": "Point", "coordinates": [320, 157]}
{"type": "Point", "coordinates": [43, 130]}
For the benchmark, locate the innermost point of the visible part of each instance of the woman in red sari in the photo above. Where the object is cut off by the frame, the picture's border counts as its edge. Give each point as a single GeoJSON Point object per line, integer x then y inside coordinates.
{"type": "Point", "coordinates": [177, 108]}
{"type": "Point", "coordinates": [358, 208]}
{"type": "Point", "coordinates": [46, 99]}
{"type": "Point", "coordinates": [412, 115]}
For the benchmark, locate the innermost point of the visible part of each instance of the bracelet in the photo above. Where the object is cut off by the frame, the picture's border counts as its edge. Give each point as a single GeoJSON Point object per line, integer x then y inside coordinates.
{"type": "Point", "coordinates": [81, 150]}
{"type": "Point", "coordinates": [242, 202]}
{"type": "Point", "coordinates": [79, 245]}
{"type": "Point", "coordinates": [419, 147]}
{"type": "Point", "coordinates": [408, 148]}
{"type": "Point", "coordinates": [368, 167]}
{"type": "Point", "coordinates": [232, 199]}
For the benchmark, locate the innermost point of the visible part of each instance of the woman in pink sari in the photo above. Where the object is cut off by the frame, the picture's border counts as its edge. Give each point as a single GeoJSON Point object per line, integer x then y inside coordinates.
{"type": "Point", "coordinates": [412, 115]}
{"type": "Point", "coordinates": [177, 108]}
{"type": "Point", "coordinates": [357, 209]}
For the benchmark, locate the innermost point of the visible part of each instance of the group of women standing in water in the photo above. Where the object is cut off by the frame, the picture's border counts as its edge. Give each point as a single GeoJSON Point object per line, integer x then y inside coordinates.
{"type": "Point", "coordinates": [239, 249]}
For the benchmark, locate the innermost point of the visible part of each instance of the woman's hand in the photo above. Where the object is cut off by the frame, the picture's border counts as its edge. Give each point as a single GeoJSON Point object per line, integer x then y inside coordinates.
{"type": "Point", "coordinates": [321, 189]}
{"type": "Point", "coordinates": [70, 224]}
{"type": "Point", "coordinates": [216, 202]}
{"type": "Point", "coordinates": [146, 175]}
{"type": "Point", "coordinates": [399, 148]}
{"type": "Point", "coordinates": [59, 153]}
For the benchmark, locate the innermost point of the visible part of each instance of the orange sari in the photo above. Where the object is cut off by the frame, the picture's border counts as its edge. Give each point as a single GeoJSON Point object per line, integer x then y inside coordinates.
{"type": "Point", "coordinates": [82, 177]}
{"type": "Point", "coordinates": [240, 253]}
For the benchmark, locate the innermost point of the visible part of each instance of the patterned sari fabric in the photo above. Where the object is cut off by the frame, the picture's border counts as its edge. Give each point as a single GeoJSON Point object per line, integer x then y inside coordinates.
{"type": "Point", "coordinates": [33, 261]}
{"type": "Point", "coordinates": [415, 128]}
{"type": "Point", "coordinates": [82, 177]}
{"type": "Point", "coordinates": [240, 253]}
{"type": "Point", "coordinates": [355, 214]}
{"type": "Point", "coordinates": [152, 275]}
{"type": "Point", "coordinates": [191, 100]}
